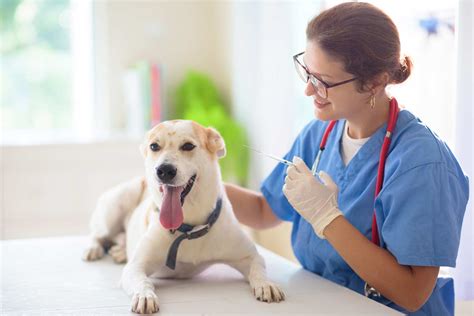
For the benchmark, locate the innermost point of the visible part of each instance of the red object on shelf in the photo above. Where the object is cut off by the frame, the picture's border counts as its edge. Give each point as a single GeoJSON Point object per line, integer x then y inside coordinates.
{"type": "Point", "coordinates": [155, 95]}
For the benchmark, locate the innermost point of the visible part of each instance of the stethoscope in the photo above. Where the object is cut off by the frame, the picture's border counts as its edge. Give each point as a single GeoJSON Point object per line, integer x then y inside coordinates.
{"type": "Point", "coordinates": [392, 121]}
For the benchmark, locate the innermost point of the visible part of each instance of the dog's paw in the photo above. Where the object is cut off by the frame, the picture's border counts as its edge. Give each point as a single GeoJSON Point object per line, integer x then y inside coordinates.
{"type": "Point", "coordinates": [118, 253]}
{"type": "Point", "coordinates": [93, 253]}
{"type": "Point", "coordinates": [268, 292]}
{"type": "Point", "coordinates": [145, 302]}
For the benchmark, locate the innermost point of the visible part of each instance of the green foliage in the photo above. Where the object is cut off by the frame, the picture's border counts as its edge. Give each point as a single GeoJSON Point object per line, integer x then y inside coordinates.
{"type": "Point", "coordinates": [32, 23]}
{"type": "Point", "coordinates": [197, 99]}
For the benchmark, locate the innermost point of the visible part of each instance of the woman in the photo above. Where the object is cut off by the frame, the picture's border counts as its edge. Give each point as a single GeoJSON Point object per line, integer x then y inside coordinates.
{"type": "Point", "coordinates": [352, 54]}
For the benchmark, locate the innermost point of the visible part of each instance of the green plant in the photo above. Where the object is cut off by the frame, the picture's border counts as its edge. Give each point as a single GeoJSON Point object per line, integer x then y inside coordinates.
{"type": "Point", "coordinates": [197, 99]}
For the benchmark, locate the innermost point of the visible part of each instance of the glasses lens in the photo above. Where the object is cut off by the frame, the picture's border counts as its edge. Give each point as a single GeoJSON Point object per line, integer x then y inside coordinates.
{"type": "Point", "coordinates": [301, 71]}
{"type": "Point", "coordinates": [321, 90]}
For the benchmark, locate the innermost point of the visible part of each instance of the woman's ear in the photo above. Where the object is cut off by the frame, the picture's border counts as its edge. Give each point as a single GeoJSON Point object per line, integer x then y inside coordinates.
{"type": "Point", "coordinates": [380, 82]}
{"type": "Point", "coordinates": [377, 84]}
{"type": "Point", "coordinates": [215, 142]}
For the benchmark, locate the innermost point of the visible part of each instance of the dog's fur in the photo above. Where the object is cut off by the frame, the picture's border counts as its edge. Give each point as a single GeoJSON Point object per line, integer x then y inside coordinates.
{"type": "Point", "coordinates": [126, 221]}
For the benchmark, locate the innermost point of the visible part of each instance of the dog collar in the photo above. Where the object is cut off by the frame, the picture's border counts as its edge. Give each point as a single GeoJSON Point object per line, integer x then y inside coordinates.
{"type": "Point", "coordinates": [192, 232]}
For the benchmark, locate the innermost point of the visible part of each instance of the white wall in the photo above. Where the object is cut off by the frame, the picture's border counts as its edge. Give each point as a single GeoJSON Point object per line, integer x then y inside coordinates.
{"type": "Point", "coordinates": [179, 35]}
{"type": "Point", "coordinates": [268, 95]}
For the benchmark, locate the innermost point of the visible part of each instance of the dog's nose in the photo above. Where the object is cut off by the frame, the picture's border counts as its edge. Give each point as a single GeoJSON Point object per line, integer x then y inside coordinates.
{"type": "Point", "coordinates": [166, 172]}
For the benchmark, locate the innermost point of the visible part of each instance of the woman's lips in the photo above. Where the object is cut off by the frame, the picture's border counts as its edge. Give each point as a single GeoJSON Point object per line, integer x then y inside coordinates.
{"type": "Point", "coordinates": [320, 104]}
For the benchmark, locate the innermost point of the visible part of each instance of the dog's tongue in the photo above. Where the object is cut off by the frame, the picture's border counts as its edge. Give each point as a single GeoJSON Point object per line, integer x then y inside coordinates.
{"type": "Point", "coordinates": [171, 213]}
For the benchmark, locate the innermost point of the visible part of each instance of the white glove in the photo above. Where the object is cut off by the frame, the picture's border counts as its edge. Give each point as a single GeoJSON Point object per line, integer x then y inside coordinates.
{"type": "Point", "coordinates": [314, 201]}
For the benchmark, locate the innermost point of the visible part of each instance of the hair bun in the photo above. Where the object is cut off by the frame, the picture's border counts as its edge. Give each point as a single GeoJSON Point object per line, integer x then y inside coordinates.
{"type": "Point", "coordinates": [404, 70]}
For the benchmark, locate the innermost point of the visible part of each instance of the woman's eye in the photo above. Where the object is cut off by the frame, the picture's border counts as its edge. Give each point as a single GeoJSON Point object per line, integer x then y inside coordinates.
{"type": "Point", "coordinates": [187, 147]}
{"type": "Point", "coordinates": [154, 147]}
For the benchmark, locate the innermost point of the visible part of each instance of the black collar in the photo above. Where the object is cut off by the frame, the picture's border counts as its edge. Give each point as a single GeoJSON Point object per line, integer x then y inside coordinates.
{"type": "Point", "coordinates": [192, 232]}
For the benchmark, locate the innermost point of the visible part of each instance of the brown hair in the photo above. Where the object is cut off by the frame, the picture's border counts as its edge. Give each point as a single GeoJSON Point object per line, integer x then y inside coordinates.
{"type": "Point", "coordinates": [364, 38]}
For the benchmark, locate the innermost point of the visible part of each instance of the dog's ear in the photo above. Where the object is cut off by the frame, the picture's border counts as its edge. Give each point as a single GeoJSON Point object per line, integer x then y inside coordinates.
{"type": "Point", "coordinates": [215, 142]}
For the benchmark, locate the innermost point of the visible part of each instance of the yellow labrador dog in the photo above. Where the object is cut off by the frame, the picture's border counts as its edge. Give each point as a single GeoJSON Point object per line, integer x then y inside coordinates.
{"type": "Point", "coordinates": [177, 221]}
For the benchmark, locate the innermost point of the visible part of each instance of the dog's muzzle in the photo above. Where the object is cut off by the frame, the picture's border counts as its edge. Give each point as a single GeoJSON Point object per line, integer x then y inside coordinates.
{"type": "Point", "coordinates": [166, 173]}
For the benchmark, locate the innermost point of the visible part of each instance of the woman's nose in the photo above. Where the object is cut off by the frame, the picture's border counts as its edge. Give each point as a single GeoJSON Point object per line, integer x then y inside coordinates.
{"type": "Point", "coordinates": [309, 90]}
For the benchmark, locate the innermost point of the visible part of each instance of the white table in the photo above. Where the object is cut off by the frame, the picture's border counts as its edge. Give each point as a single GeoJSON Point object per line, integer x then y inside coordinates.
{"type": "Point", "coordinates": [47, 276]}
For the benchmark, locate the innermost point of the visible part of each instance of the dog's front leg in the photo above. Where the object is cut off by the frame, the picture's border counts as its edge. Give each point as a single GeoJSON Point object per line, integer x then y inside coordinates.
{"type": "Point", "coordinates": [253, 269]}
{"type": "Point", "coordinates": [108, 219]}
{"type": "Point", "coordinates": [137, 284]}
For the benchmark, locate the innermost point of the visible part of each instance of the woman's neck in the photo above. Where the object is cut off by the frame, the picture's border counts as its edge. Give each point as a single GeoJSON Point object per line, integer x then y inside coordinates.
{"type": "Point", "coordinates": [370, 120]}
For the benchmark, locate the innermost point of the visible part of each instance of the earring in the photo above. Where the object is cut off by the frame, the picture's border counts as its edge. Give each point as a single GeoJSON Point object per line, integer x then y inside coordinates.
{"type": "Point", "coordinates": [372, 102]}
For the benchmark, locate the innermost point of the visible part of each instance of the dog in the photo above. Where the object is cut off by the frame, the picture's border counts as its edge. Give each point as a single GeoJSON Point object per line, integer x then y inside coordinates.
{"type": "Point", "coordinates": [177, 220]}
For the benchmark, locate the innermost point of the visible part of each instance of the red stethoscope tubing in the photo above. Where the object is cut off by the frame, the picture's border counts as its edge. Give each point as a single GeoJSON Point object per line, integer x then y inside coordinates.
{"type": "Point", "coordinates": [392, 121]}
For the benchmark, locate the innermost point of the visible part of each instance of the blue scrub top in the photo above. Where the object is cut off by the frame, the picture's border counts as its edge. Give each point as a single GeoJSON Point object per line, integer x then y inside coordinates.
{"type": "Point", "coordinates": [419, 209]}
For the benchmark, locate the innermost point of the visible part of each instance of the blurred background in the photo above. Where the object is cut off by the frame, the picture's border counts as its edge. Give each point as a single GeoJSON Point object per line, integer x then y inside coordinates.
{"type": "Point", "coordinates": [82, 80]}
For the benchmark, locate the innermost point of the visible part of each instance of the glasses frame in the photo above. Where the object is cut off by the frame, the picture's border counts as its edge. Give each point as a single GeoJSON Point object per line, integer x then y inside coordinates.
{"type": "Point", "coordinates": [311, 77]}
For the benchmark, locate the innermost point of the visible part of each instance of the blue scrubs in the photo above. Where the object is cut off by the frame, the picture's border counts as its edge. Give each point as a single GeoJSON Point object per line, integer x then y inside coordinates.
{"type": "Point", "coordinates": [419, 210]}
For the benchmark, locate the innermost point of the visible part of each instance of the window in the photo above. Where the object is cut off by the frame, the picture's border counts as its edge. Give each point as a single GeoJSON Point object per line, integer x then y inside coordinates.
{"type": "Point", "coordinates": [46, 78]}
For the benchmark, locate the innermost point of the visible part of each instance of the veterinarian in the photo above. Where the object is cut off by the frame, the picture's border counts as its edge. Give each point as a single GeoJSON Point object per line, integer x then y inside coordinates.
{"type": "Point", "coordinates": [385, 241]}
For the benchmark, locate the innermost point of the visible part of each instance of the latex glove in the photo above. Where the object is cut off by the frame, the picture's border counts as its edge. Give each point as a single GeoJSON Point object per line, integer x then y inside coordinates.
{"type": "Point", "coordinates": [315, 201]}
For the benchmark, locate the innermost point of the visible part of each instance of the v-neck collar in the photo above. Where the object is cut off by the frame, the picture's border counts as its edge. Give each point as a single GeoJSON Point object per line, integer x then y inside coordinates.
{"type": "Point", "coordinates": [363, 155]}
{"type": "Point", "coordinates": [369, 153]}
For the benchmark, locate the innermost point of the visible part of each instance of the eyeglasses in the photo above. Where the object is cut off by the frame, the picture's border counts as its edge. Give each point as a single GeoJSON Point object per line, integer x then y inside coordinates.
{"type": "Point", "coordinates": [319, 85]}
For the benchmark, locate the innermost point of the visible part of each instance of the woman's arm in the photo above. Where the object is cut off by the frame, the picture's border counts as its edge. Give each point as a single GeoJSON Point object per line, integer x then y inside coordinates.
{"type": "Point", "coordinates": [407, 286]}
{"type": "Point", "coordinates": [251, 208]}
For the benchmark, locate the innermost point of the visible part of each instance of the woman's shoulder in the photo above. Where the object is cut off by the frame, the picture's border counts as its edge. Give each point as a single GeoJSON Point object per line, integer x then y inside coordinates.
{"type": "Point", "coordinates": [415, 145]}
{"type": "Point", "coordinates": [412, 135]}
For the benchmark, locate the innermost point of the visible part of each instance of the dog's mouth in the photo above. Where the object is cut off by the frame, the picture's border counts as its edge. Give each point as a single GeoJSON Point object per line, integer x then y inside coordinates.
{"type": "Point", "coordinates": [171, 212]}
{"type": "Point", "coordinates": [187, 188]}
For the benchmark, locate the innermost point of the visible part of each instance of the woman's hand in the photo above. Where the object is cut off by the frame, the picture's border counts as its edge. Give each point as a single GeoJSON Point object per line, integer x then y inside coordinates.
{"type": "Point", "coordinates": [315, 201]}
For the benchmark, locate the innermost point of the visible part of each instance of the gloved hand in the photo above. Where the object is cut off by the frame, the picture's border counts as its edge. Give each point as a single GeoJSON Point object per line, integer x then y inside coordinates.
{"type": "Point", "coordinates": [315, 201]}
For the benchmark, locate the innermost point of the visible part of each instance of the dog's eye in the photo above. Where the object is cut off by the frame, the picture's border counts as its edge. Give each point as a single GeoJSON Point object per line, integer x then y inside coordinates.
{"type": "Point", "coordinates": [187, 147]}
{"type": "Point", "coordinates": [154, 147]}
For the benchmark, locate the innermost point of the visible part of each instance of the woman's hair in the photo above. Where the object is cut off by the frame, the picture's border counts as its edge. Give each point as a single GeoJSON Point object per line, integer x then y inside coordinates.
{"type": "Point", "coordinates": [364, 38]}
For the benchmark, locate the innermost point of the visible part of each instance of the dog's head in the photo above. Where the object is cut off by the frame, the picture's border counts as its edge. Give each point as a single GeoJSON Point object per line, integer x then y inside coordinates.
{"type": "Point", "coordinates": [177, 155]}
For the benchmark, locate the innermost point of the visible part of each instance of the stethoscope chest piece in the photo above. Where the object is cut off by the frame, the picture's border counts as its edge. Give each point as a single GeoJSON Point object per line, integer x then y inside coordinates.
{"type": "Point", "coordinates": [370, 291]}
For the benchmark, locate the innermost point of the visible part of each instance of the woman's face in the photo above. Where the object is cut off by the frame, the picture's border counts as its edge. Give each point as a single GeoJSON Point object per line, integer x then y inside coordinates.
{"type": "Point", "coordinates": [342, 102]}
